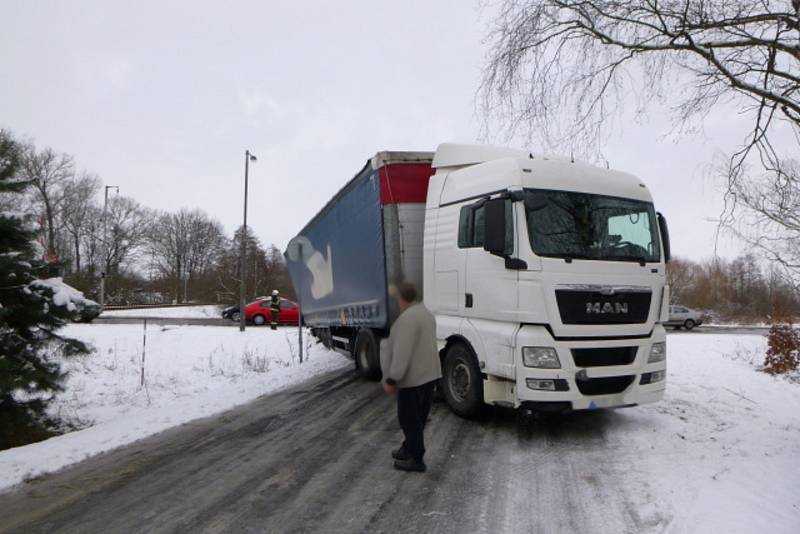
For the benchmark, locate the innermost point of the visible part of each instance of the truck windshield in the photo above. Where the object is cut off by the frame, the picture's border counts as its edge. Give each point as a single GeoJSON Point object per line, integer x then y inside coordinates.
{"type": "Point", "coordinates": [565, 224]}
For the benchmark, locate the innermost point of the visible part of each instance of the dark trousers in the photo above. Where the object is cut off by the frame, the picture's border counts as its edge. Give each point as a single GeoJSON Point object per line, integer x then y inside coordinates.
{"type": "Point", "coordinates": [274, 323]}
{"type": "Point", "coordinates": [413, 407]}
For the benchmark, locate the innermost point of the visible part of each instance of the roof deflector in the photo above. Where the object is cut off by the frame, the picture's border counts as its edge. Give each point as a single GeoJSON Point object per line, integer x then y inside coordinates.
{"type": "Point", "coordinates": [458, 155]}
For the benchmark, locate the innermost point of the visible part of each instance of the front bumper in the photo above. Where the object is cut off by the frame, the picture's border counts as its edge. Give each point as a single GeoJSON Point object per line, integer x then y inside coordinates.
{"type": "Point", "coordinates": [590, 386]}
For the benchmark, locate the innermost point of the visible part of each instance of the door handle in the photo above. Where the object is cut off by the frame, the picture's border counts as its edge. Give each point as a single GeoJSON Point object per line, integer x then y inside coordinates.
{"type": "Point", "coordinates": [468, 300]}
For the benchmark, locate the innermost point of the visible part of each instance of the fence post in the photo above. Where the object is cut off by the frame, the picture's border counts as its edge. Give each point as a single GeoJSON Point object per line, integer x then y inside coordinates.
{"type": "Point", "coordinates": [144, 348]}
{"type": "Point", "coordinates": [300, 334]}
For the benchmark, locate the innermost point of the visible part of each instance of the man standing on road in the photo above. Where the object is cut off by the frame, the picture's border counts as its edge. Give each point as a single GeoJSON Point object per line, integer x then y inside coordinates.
{"type": "Point", "coordinates": [411, 367]}
{"type": "Point", "coordinates": [275, 307]}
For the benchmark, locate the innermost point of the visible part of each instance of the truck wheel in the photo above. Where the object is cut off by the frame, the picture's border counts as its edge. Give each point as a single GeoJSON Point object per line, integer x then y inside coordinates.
{"type": "Point", "coordinates": [366, 354]}
{"type": "Point", "coordinates": [689, 324]}
{"type": "Point", "coordinates": [259, 320]}
{"type": "Point", "coordinates": [462, 384]}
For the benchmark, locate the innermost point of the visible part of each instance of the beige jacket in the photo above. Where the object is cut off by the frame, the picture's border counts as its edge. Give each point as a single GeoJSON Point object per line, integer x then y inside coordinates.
{"type": "Point", "coordinates": [409, 357]}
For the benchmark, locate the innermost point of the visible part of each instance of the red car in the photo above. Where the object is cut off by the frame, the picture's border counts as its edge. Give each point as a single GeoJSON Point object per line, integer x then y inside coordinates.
{"type": "Point", "coordinates": [258, 312]}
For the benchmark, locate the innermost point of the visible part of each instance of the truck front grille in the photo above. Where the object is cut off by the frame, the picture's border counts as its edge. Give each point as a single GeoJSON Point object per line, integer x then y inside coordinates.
{"type": "Point", "coordinates": [604, 357]}
{"type": "Point", "coordinates": [593, 307]}
{"type": "Point", "coordinates": [604, 386]}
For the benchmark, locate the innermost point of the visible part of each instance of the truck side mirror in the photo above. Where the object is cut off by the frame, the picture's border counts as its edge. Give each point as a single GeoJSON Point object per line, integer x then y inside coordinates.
{"type": "Point", "coordinates": [664, 231]}
{"type": "Point", "coordinates": [494, 236]}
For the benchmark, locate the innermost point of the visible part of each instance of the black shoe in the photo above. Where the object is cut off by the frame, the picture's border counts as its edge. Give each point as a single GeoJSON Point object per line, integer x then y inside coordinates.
{"type": "Point", "coordinates": [400, 454]}
{"type": "Point", "coordinates": [410, 464]}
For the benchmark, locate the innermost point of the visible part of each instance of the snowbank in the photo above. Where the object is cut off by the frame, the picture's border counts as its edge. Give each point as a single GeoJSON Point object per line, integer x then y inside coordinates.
{"type": "Point", "coordinates": [190, 372]}
{"type": "Point", "coordinates": [738, 325]}
{"type": "Point", "coordinates": [170, 312]}
{"type": "Point", "coordinates": [720, 453]}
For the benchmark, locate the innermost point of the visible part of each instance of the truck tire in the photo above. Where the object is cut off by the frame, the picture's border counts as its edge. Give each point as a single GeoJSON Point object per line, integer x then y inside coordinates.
{"type": "Point", "coordinates": [462, 383]}
{"type": "Point", "coordinates": [366, 353]}
{"type": "Point", "coordinates": [689, 324]}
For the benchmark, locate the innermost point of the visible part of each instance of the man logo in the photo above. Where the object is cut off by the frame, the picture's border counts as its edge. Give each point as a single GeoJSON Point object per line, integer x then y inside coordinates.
{"type": "Point", "coordinates": [604, 308]}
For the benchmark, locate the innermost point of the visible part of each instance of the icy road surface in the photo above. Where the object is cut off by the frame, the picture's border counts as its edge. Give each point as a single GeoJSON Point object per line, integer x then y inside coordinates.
{"type": "Point", "coordinates": [719, 454]}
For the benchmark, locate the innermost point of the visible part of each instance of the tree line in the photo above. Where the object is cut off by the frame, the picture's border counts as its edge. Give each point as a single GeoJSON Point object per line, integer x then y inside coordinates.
{"type": "Point", "coordinates": [740, 289]}
{"type": "Point", "coordinates": [148, 255]}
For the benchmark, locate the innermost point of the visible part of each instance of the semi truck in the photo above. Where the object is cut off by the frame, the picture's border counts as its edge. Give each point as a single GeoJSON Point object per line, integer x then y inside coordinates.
{"type": "Point", "coordinates": [546, 275]}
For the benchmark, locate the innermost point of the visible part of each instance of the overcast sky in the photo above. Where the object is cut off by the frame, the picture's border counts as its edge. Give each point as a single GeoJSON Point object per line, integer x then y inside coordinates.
{"type": "Point", "coordinates": [162, 99]}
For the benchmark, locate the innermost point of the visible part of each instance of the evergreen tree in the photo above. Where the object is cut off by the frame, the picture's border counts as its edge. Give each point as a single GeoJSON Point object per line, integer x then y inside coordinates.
{"type": "Point", "coordinates": [29, 319]}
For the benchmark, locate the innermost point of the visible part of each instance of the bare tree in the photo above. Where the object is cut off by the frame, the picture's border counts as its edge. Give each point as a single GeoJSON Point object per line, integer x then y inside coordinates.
{"type": "Point", "coordinates": [681, 275]}
{"type": "Point", "coordinates": [129, 224]}
{"type": "Point", "coordinates": [560, 72]}
{"type": "Point", "coordinates": [79, 195]}
{"type": "Point", "coordinates": [49, 172]}
{"type": "Point", "coordinates": [229, 271]}
{"type": "Point", "coordinates": [91, 240]}
{"type": "Point", "coordinates": [167, 246]}
{"type": "Point", "coordinates": [184, 244]}
{"type": "Point", "coordinates": [205, 244]}
{"type": "Point", "coordinates": [771, 221]}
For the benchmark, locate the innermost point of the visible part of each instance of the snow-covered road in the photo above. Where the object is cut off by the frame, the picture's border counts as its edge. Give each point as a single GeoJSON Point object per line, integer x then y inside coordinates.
{"type": "Point", "coordinates": [190, 372]}
{"type": "Point", "coordinates": [719, 454]}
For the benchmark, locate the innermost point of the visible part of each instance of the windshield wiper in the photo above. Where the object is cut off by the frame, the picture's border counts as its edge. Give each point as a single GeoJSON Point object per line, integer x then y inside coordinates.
{"type": "Point", "coordinates": [641, 260]}
{"type": "Point", "coordinates": [569, 257]}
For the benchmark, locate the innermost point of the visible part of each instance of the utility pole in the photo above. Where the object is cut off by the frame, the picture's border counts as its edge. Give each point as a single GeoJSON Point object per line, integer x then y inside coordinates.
{"type": "Point", "coordinates": [248, 157]}
{"type": "Point", "coordinates": [103, 261]}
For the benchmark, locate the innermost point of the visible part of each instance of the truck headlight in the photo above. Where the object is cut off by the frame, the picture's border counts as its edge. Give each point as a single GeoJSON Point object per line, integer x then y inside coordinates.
{"type": "Point", "coordinates": [542, 384]}
{"type": "Point", "coordinates": [540, 357]}
{"type": "Point", "coordinates": [658, 352]}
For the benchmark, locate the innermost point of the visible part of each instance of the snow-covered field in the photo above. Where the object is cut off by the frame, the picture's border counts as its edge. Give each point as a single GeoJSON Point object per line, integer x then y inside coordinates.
{"type": "Point", "coordinates": [170, 312]}
{"type": "Point", "coordinates": [721, 452]}
{"type": "Point", "coordinates": [190, 372]}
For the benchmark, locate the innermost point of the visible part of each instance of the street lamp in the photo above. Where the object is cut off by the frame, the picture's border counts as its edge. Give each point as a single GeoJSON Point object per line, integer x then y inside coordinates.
{"type": "Point", "coordinates": [104, 263]}
{"type": "Point", "coordinates": [248, 157]}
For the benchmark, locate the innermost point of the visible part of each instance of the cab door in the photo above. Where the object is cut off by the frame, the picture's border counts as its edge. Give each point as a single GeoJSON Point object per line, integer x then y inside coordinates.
{"type": "Point", "coordinates": [491, 289]}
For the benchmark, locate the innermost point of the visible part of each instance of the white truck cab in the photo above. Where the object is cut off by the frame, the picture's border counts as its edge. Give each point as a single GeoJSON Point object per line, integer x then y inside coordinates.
{"type": "Point", "coordinates": [547, 280]}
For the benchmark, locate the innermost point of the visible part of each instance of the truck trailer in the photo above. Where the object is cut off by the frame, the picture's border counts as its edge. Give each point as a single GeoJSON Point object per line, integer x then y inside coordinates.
{"type": "Point", "coordinates": [546, 275]}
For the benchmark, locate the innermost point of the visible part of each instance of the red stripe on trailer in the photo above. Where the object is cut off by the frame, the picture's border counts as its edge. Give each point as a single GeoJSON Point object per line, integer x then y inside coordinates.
{"type": "Point", "coordinates": [405, 182]}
